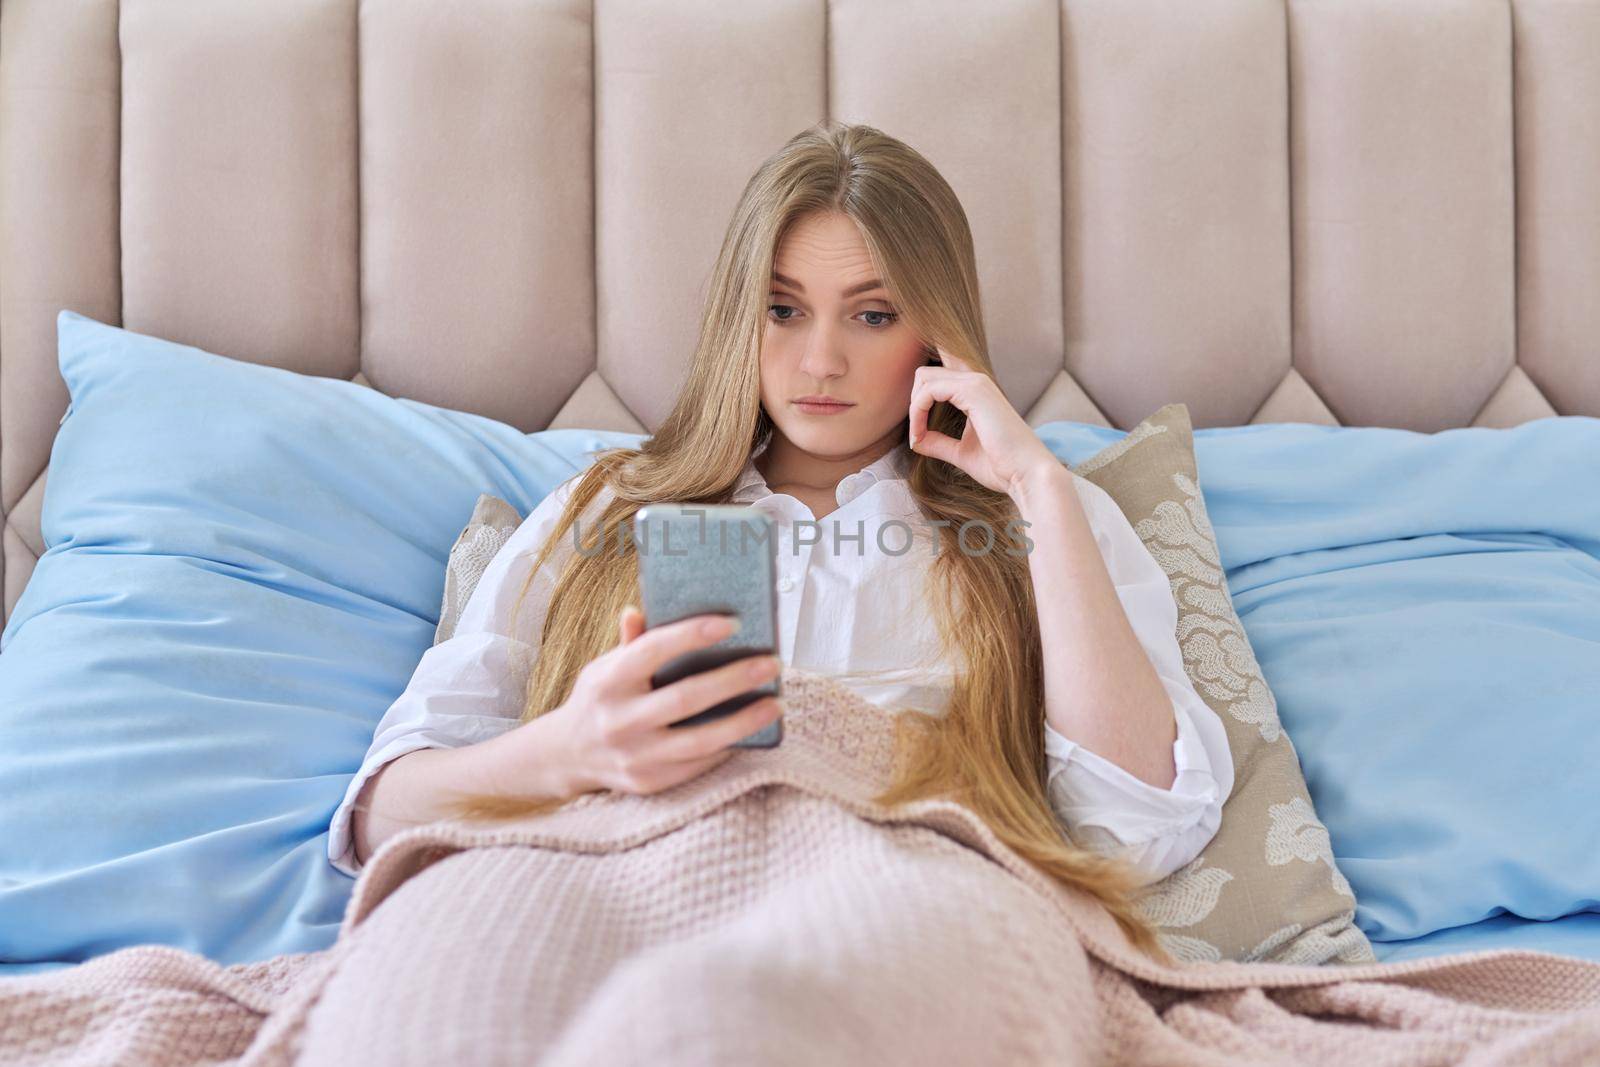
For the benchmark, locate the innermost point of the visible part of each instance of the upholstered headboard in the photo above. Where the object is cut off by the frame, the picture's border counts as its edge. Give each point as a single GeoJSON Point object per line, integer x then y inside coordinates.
{"type": "Point", "coordinates": [1369, 212]}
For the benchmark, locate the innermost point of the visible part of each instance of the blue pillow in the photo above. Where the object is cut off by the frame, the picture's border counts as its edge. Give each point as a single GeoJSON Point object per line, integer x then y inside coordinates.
{"type": "Point", "coordinates": [1426, 609]}
{"type": "Point", "coordinates": [243, 567]}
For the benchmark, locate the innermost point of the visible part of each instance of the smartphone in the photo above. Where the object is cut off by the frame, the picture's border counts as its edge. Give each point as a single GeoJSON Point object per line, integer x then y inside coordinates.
{"type": "Point", "coordinates": [697, 559]}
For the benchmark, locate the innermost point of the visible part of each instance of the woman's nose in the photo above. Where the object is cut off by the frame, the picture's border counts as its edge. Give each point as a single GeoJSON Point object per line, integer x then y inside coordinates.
{"type": "Point", "coordinates": [823, 357]}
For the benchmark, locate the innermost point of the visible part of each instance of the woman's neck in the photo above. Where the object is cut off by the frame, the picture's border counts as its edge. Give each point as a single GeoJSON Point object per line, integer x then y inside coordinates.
{"type": "Point", "coordinates": [787, 468]}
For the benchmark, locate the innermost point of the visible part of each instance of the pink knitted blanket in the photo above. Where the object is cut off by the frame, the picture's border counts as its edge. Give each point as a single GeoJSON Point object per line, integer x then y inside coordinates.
{"type": "Point", "coordinates": [768, 912]}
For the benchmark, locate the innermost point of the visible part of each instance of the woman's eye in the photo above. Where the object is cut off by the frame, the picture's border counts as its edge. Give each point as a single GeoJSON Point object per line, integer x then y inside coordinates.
{"type": "Point", "coordinates": [883, 321]}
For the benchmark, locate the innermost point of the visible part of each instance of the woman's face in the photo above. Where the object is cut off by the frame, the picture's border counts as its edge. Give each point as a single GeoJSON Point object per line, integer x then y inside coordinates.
{"type": "Point", "coordinates": [832, 332]}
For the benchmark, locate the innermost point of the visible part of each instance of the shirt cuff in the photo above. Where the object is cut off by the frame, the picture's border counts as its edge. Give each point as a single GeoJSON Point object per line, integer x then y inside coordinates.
{"type": "Point", "coordinates": [341, 842]}
{"type": "Point", "coordinates": [1107, 808]}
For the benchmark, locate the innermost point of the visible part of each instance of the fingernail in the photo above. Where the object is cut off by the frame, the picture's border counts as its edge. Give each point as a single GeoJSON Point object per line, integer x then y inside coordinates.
{"type": "Point", "coordinates": [763, 666]}
{"type": "Point", "coordinates": [721, 627]}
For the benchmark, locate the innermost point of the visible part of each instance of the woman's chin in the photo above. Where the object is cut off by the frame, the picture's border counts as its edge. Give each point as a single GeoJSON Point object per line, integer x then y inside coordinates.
{"type": "Point", "coordinates": [831, 446]}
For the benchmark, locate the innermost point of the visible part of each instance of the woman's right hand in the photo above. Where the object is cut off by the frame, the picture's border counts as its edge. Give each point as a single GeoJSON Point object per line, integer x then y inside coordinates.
{"type": "Point", "coordinates": [613, 731]}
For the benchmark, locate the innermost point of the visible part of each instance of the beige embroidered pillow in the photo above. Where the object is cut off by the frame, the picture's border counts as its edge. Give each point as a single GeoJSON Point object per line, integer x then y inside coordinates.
{"type": "Point", "coordinates": [1266, 888]}
{"type": "Point", "coordinates": [492, 523]}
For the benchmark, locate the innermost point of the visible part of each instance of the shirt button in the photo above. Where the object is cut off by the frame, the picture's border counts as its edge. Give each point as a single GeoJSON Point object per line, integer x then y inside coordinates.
{"type": "Point", "coordinates": [785, 584]}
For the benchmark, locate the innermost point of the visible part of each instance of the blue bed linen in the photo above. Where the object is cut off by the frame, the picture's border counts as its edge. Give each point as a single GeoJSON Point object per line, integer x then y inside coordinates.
{"type": "Point", "coordinates": [1571, 935]}
{"type": "Point", "coordinates": [243, 567]}
{"type": "Point", "coordinates": [1426, 608]}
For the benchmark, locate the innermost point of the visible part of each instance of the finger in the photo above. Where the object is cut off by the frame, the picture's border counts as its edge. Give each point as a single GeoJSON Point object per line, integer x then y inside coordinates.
{"type": "Point", "coordinates": [632, 623]}
{"type": "Point", "coordinates": [919, 407]}
{"type": "Point", "coordinates": [937, 445]}
{"type": "Point", "coordinates": [694, 694]}
{"type": "Point", "coordinates": [947, 381]}
{"type": "Point", "coordinates": [639, 659]}
{"type": "Point", "coordinates": [946, 359]}
{"type": "Point", "coordinates": [931, 385]}
{"type": "Point", "coordinates": [971, 391]}
{"type": "Point", "coordinates": [932, 442]}
{"type": "Point", "coordinates": [696, 742]}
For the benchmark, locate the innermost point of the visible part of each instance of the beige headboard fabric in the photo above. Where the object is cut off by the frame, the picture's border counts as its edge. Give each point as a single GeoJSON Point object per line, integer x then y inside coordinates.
{"type": "Point", "coordinates": [1366, 212]}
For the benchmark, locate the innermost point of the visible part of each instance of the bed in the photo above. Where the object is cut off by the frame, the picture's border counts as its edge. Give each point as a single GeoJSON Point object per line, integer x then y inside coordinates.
{"type": "Point", "coordinates": [1352, 215]}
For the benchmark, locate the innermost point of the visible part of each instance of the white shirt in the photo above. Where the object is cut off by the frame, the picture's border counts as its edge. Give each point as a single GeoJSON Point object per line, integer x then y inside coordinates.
{"type": "Point", "coordinates": [854, 608]}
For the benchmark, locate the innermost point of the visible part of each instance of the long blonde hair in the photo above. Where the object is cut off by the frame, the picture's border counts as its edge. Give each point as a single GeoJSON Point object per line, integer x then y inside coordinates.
{"type": "Point", "coordinates": [987, 749]}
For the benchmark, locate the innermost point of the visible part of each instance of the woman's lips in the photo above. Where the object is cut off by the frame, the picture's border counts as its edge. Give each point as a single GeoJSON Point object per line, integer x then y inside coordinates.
{"type": "Point", "coordinates": [812, 407]}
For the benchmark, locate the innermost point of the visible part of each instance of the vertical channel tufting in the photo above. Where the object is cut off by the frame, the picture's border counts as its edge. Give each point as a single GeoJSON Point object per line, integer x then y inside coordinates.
{"type": "Point", "coordinates": [490, 206]}
{"type": "Point", "coordinates": [1557, 77]}
{"type": "Point", "coordinates": [354, 14]}
{"type": "Point", "coordinates": [59, 108]}
{"type": "Point", "coordinates": [238, 180]}
{"type": "Point", "coordinates": [1175, 207]}
{"type": "Point", "coordinates": [1402, 207]}
{"type": "Point", "coordinates": [477, 186]}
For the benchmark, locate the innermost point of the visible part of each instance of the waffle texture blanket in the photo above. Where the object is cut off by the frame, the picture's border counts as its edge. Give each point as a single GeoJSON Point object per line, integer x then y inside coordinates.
{"type": "Point", "coordinates": [768, 912]}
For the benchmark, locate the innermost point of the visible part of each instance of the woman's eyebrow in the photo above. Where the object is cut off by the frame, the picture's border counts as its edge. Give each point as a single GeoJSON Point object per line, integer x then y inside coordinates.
{"type": "Point", "coordinates": [861, 287]}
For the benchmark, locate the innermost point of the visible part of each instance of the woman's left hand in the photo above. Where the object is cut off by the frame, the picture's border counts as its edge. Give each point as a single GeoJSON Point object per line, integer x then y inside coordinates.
{"type": "Point", "coordinates": [997, 448]}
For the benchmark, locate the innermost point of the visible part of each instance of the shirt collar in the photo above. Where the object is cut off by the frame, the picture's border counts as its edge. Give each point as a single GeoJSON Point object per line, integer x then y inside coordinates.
{"type": "Point", "coordinates": [893, 465]}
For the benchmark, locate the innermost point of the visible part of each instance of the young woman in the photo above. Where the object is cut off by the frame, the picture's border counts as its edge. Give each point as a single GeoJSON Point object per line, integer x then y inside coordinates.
{"type": "Point", "coordinates": [841, 376]}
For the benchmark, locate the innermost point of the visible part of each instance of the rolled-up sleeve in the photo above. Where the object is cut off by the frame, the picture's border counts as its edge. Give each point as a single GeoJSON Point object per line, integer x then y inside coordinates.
{"type": "Point", "coordinates": [471, 687]}
{"type": "Point", "coordinates": [1105, 807]}
{"type": "Point", "coordinates": [465, 690]}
